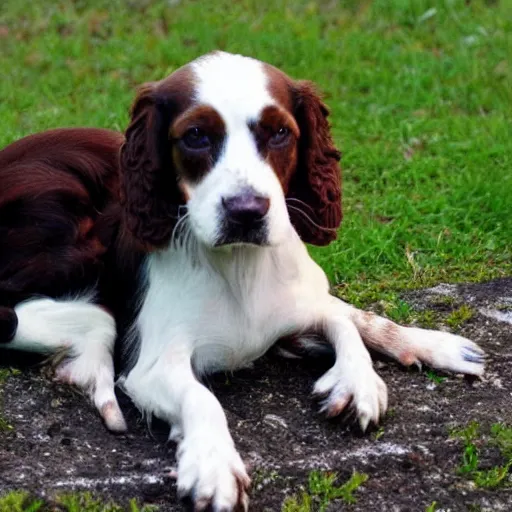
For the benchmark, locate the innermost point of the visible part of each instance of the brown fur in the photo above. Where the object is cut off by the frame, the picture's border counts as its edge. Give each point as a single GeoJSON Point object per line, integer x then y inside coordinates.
{"type": "Point", "coordinates": [317, 179]}
{"type": "Point", "coordinates": [284, 158]}
{"type": "Point", "coordinates": [150, 192]}
{"type": "Point", "coordinates": [315, 187]}
{"type": "Point", "coordinates": [194, 165]}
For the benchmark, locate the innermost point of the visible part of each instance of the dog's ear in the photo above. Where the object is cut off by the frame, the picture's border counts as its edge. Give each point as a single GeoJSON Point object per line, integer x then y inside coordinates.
{"type": "Point", "coordinates": [315, 188]}
{"type": "Point", "coordinates": [150, 194]}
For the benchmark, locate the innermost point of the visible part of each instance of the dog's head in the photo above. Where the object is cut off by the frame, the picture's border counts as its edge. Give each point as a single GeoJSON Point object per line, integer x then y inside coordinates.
{"type": "Point", "coordinates": [240, 147]}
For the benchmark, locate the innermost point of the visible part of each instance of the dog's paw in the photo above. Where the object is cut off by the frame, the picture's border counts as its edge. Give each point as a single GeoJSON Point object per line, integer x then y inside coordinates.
{"type": "Point", "coordinates": [212, 475]}
{"type": "Point", "coordinates": [357, 385]}
{"type": "Point", "coordinates": [97, 380]}
{"type": "Point", "coordinates": [444, 351]}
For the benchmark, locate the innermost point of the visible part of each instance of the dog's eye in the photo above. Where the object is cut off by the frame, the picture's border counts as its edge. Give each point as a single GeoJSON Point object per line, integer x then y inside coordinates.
{"type": "Point", "coordinates": [195, 138]}
{"type": "Point", "coordinates": [279, 137]}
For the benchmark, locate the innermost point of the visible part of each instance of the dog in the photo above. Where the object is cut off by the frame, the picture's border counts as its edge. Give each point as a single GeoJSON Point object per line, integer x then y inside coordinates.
{"type": "Point", "coordinates": [179, 249]}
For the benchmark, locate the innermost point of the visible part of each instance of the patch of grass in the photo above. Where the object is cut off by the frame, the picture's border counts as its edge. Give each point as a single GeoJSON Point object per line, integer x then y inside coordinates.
{"type": "Point", "coordinates": [427, 319]}
{"type": "Point", "coordinates": [378, 434]}
{"type": "Point", "coordinates": [419, 91]}
{"type": "Point", "coordinates": [21, 501]}
{"type": "Point", "coordinates": [443, 300]}
{"type": "Point", "coordinates": [301, 504]}
{"type": "Point", "coordinates": [5, 426]}
{"type": "Point", "coordinates": [460, 316]}
{"type": "Point", "coordinates": [322, 491]}
{"type": "Point", "coordinates": [399, 311]}
{"type": "Point", "coordinates": [502, 438]}
{"type": "Point", "coordinates": [473, 444]}
{"type": "Point", "coordinates": [434, 377]}
{"type": "Point", "coordinates": [468, 434]}
{"type": "Point", "coordinates": [5, 373]}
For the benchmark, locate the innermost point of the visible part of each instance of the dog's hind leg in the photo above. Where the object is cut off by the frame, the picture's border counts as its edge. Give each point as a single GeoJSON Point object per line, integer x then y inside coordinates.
{"type": "Point", "coordinates": [84, 334]}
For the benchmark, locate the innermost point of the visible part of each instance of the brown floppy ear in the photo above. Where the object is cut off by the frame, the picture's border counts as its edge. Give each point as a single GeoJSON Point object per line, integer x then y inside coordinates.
{"type": "Point", "coordinates": [315, 188]}
{"type": "Point", "coordinates": [149, 189]}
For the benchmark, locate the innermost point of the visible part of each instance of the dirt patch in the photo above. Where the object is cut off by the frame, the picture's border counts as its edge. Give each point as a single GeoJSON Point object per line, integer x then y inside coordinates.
{"type": "Point", "coordinates": [57, 441]}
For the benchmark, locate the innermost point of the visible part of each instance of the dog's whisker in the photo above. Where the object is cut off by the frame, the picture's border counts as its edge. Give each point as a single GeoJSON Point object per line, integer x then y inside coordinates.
{"type": "Point", "coordinates": [310, 220]}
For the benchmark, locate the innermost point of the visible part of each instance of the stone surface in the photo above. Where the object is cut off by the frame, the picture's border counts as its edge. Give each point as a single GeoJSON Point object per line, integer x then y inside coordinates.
{"type": "Point", "coordinates": [59, 443]}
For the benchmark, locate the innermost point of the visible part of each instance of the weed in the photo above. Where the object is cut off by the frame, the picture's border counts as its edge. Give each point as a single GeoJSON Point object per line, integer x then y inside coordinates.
{"type": "Point", "coordinates": [468, 434]}
{"type": "Point", "coordinates": [86, 502]}
{"type": "Point", "coordinates": [434, 377]}
{"type": "Point", "coordinates": [301, 504]}
{"type": "Point", "coordinates": [427, 319]}
{"type": "Point", "coordinates": [501, 437]}
{"type": "Point", "coordinates": [322, 490]}
{"type": "Point", "coordinates": [432, 507]}
{"type": "Point", "coordinates": [378, 434]}
{"type": "Point", "coordinates": [5, 373]}
{"type": "Point", "coordinates": [19, 501]}
{"type": "Point", "coordinates": [399, 311]}
{"type": "Point", "coordinates": [459, 316]}
{"type": "Point", "coordinates": [5, 426]}
{"type": "Point", "coordinates": [443, 300]}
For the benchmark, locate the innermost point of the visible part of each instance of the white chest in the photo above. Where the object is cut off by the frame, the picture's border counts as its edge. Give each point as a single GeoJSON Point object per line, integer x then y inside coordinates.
{"type": "Point", "coordinates": [228, 308]}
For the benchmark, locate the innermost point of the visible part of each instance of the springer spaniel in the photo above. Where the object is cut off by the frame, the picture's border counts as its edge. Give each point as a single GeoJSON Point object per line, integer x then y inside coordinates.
{"type": "Point", "coordinates": [180, 250]}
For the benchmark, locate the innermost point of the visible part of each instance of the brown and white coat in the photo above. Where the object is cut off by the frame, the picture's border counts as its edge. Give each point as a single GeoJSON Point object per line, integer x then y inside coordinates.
{"type": "Point", "coordinates": [187, 255]}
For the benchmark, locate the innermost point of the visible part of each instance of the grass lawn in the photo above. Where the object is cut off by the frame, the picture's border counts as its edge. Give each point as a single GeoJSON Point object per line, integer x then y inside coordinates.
{"type": "Point", "coordinates": [420, 94]}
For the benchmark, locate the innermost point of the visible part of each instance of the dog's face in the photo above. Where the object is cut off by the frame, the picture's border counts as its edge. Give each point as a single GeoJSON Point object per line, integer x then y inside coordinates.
{"type": "Point", "coordinates": [244, 147]}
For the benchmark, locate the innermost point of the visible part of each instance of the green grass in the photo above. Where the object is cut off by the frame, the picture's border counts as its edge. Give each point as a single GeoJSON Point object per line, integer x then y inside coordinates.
{"type": "Point", "coordinates": [20, 501]}
{"type": "Point", "coordinates": [460, 316]}
{"type": "Point", "coordinates": [434, 377]}
{"type": "Point", "coordinates": [322, 491]}
{"type": "Point", "coordinates": [5, 373]}
{"type": "Point", "coordinates": [474, 445]}
{"type": "Point", "coordinates": [420, 93]}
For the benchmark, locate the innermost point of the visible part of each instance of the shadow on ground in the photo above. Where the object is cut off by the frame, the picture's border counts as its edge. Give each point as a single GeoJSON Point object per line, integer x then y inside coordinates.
{"type": "Point", "coordinates": [58, 443]}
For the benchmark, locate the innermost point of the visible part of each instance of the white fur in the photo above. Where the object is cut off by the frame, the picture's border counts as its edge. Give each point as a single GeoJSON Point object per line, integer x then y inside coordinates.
{"type": "Point", "coordinates": [85, 334]}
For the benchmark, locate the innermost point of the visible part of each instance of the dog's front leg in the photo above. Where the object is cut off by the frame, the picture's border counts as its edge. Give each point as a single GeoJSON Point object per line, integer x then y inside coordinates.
{"type": "Point", "coordinates": [352, 379]}
{"type": "Point", "coordinates": [411, 345]}
{"type": "Point", "coordinates": [210, 470]}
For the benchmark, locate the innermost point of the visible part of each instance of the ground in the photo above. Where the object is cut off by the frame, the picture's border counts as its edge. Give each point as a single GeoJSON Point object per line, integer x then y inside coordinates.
{"type": "Point", "coordinates": [420, 93]}
{"type": "Point", "coordinates": [53, 440]}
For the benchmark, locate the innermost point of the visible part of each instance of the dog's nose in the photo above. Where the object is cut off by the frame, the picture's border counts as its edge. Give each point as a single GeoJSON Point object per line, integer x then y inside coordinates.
{"type": "Point", "coordinates": [246, 208]}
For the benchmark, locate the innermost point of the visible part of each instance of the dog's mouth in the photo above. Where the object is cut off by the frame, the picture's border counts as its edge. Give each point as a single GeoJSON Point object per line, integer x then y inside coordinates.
{"type": "Point", "coordinates": [237, 233]}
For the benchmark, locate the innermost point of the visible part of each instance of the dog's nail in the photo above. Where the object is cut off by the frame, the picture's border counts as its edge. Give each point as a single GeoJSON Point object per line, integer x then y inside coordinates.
{"type": "Point", "coordinates": [364, 421]}
{"type": "Point", "coordinates": [472, 355]}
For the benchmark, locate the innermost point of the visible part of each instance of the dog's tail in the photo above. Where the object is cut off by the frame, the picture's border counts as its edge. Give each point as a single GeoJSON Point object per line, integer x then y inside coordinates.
{"type": "Point", "coordinates": [8, 324]}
